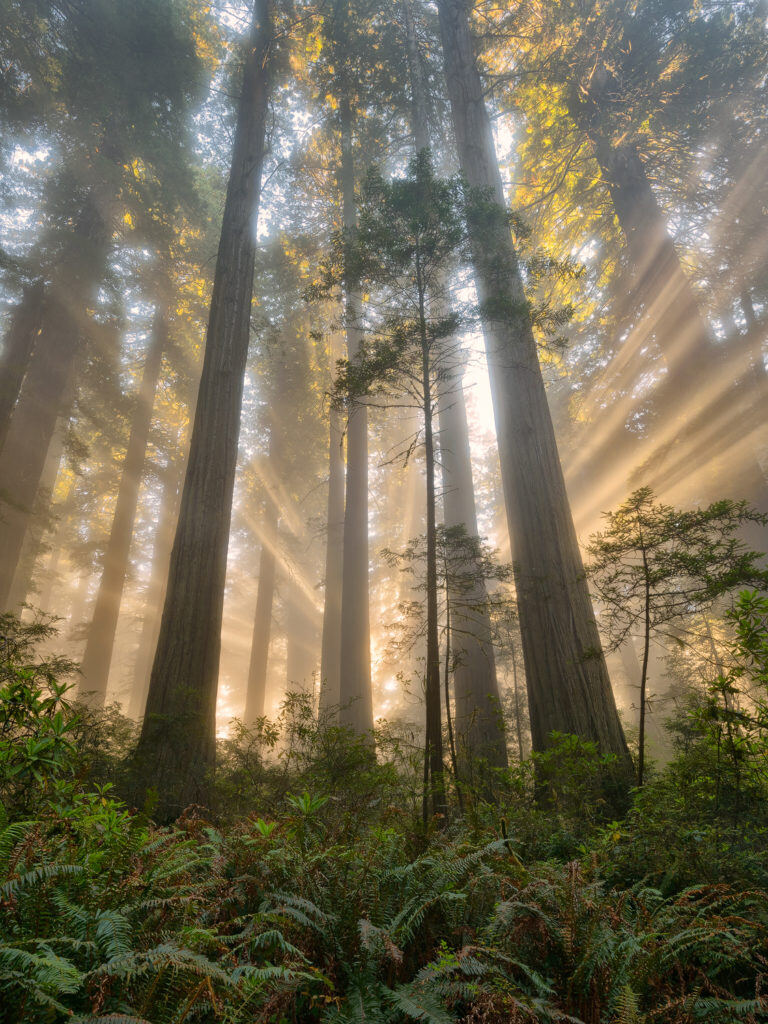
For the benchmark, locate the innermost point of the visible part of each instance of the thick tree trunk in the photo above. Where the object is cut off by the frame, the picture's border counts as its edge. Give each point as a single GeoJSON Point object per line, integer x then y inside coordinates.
{"type": "Point", "coordinates": [355, 699]}
{"type": "Point", "coordinates": [262, 621]}
{"type": "Point", "coordinates": [177, 747]}
{"type": "Point", "coordinates": [479, 721]}
{"type": "Point", "coordinates": [39, 523]}
{"type": "Point", "coordinates": [44, 398]}
{"type": "Point", "coordinates": [101, 636]}
{"type": "Point", "coordinates": [47, 390]}
{"type": "Point", "coordinates": [568, 686]}
{"type": "Point", "coordinates": [158, 580]}
{"type": "Point", "coordinates": [17, 351]}
{"type": "Point", "coordinates": [330, 659]}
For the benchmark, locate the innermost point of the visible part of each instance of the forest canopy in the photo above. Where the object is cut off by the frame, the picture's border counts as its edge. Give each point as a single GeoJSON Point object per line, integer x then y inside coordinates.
{"type": "Point", "coordinates": [383, 510]}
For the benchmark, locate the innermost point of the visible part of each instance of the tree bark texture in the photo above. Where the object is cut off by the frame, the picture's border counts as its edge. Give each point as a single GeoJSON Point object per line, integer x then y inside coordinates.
{"type": "Point", "coordinates": [568, 686]}
{"type": "Point", "coordinates": [176, 750]}
{"type": "Point", "coordinates": [101, 636]}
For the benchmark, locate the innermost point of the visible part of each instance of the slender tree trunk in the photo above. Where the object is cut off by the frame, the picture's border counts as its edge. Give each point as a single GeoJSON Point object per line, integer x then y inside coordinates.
{"type": "Point", "coordinates": [447, 695]}
{"type": "Point", "coordinates": [262, 621]}
{"type": "Point", "coordinates": [355, 698]}
{"type": "Point", "coordinates": [177, 747]}
{"type": "Point", "coordinates": [479, 722]}
{"type": "Point", "coordinates": [301, 639]}
{"type": "Point", "coordinates": [17, 350]}
{"type": "Point", "coordinates": [39, 523]}
{"type": "Point", "coordinates": [330, 661]}
{"type": "Point", "coordinates": [644, 676]}
{"type": "Point", "coordinates": [568, 685]}
{"type": "Point", "coordinates": [158, 580]}
{"type": "Point", "coordinates": [101, 636]}
{"type": "Point", "coordinates": [434, 729]}
{"type": "Point", "coordinates": [518, 714]}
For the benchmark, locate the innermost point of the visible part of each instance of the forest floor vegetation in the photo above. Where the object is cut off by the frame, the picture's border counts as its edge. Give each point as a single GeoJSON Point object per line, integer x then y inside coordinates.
{"type": "Point", "coordinates": [313, 893]}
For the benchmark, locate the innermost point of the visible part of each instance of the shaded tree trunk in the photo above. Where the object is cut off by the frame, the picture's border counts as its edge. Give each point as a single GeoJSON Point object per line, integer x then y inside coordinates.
{"type": "Point", "coordinates": [39, 523]}
{"type": "Point", "coordinates": [479, 722]}
{"type": "Point", "coordinates": [434, 768]}
{"type": "Point", "coordinates": [355, 699]}
{"type": "Point", "coordinates": [44, 398]}
{"type": "Point", "coordinates": [177, 746]}
{"type": "Point", "coordinates": [101, 636]}
{"type": "Point", "coordinates": [262, 621]}
{"type": "Point", "coordinates": [301, 639]}
{"type": "Point", "coordinates": [568, 685]}
{"type": "Point", "coordinates": [17, 351]}
{"type": "Point", "coordinates": [330, 659]}
{"type": "Point", "coordinates": [158, 580]}
{"type": "Point", "coordinates": [47, 391]}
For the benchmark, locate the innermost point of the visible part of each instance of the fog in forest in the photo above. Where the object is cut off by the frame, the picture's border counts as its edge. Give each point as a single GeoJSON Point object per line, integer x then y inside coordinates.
{"type": "Point", "coordinates": [383, 511]}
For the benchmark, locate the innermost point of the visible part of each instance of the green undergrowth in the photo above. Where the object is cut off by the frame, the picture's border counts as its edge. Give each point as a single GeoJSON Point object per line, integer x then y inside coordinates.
{"type": "Point", "coordinates": [312, 893]}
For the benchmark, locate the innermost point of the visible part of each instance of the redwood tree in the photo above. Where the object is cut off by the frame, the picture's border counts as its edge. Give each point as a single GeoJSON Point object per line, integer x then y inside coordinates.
{"type": "Point", "coordinates": [568, 686]}
{"type": "Point", "coordinates": [176, 750]}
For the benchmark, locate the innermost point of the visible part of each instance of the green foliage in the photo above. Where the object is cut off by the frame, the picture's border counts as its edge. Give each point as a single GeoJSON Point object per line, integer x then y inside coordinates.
{"type": "Point", "coordinates": [668, 562]}
{"type": "Point", "coordinates": [325, 902]}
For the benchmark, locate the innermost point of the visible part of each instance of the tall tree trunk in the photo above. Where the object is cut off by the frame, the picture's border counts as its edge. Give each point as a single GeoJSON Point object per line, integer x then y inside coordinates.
{"type": "Point", "coordinates": [101, 636]}
{"type": "Point", "coordinates": [158, 580]}
{"type": "Point", "coordinates": [39, 523]}
{"type": "Point", "coordinates": [177, 746]}
{"type": "Point", "coordinates": [262, 621]}
{"type": "Point", "coordinates": [434, 729]}
{"type": "Point", "coordinates": [330, 660]}
{"type": "Point", "coordinates": [17, 350]}
{"type": "Point", "coordinates": [568, 685]}
{"type": "Point", "coordinates": [44, 398]}
{"type": "Point", "coordinates": [479, 721]}
{"type": "Point", "coordinates": [301, 639]}
{"type": "Point", "coordinates": [355, 699]}
{"type": "Point", "coordinates": [47, 391]}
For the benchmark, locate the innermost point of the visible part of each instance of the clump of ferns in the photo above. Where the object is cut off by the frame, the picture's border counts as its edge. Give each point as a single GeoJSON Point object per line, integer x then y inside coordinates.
{"type": "Point", "coordinates": [80, 933]}
{"type": "Point", "coordinates": [357, 924]}
{"type": "Point", "coordinates": [698, 956]}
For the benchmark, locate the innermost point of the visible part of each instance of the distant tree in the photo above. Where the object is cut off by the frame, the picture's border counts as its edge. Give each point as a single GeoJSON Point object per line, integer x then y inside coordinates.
{"type": "Point", "coordinates": [409, 232]}
{"type": "Point", "coordinates": [654, 565]}
{"type": "Point", "coordinates": [466, 566]}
